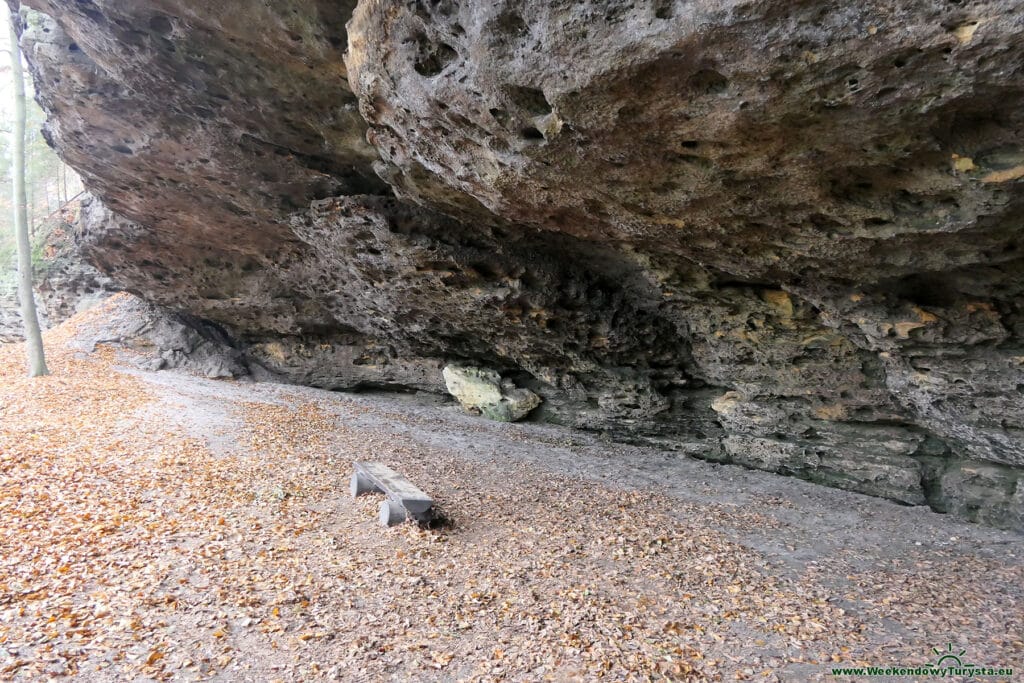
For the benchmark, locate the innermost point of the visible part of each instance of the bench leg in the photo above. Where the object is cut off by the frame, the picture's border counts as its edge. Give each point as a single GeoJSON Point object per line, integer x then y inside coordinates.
{"type": "Point", "coordinates": [391, 513]}
{"type": "Point", "coordinates": [361, 484]}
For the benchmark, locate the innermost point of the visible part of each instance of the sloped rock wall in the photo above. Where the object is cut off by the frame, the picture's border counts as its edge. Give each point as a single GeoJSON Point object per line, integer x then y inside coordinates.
{"type": "Point", "coordinates": [780, 234]}
{"type": "Point", "coordinates": [65, 283]}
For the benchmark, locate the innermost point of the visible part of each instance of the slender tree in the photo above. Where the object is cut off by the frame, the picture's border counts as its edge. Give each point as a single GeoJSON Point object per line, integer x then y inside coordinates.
{"type": "Point", "coordinates": [33, 336]}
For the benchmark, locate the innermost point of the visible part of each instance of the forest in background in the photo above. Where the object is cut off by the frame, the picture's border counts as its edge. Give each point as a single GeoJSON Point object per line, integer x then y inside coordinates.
{"type": "Point", "coordinates": [50, 183]}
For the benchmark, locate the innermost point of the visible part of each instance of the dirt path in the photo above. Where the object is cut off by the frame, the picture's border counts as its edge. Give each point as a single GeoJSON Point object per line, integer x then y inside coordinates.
{"type": "Point", "coordinates": [161, 526]}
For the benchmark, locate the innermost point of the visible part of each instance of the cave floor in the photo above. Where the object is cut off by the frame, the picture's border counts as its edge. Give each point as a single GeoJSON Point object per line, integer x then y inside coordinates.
{"type": "Point", "coordinates": [160, 526]}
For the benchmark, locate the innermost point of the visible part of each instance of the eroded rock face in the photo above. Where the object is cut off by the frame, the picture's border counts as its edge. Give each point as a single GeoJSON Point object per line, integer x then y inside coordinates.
{"type": "Point", "coordinates": [10, 320]}
{"type": "Point", "coordinates": [785, 235]}
{"type": "Point", "coordinates": [161, 339]}
{"type": "Point", "coordinates": [176, 115]}
{"type": "Point", "coordinates": [68, 284]}
{"type": "Point", "coordinates": [771, 140]}
{"type": "Point", "coordinates": [65, 284]}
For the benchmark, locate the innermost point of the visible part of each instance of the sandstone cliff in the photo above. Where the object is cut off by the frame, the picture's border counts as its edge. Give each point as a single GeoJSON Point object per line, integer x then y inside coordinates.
{"type": "Point", "coordinates": [781, 234]}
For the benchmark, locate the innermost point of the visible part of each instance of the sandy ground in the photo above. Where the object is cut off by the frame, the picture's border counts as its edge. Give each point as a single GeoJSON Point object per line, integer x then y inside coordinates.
{"type": "Point", "coordinates": [159, 526]}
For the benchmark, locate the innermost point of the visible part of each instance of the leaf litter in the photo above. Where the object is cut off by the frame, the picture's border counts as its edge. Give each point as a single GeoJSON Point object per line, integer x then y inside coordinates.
{"type": "Point", "coordinates": [132, 549]}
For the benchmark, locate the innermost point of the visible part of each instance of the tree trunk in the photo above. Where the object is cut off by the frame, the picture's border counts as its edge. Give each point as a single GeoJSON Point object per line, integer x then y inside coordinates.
{"type": "Point", "coordinates": [33, 336]}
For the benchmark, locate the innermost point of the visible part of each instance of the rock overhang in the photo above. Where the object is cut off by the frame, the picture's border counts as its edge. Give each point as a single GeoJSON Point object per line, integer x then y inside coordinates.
{"type": "Point", "coordinates": [631, 210]}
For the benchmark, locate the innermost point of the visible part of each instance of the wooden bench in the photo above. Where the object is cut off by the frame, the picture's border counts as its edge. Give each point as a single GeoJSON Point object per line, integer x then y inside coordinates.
{"type": "Point", "coordinates": [402, 499]}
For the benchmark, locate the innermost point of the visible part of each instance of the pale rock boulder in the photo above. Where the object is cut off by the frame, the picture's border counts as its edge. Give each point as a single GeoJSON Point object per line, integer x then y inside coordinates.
{"type": "Point", "coordinates": [483, 391]}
